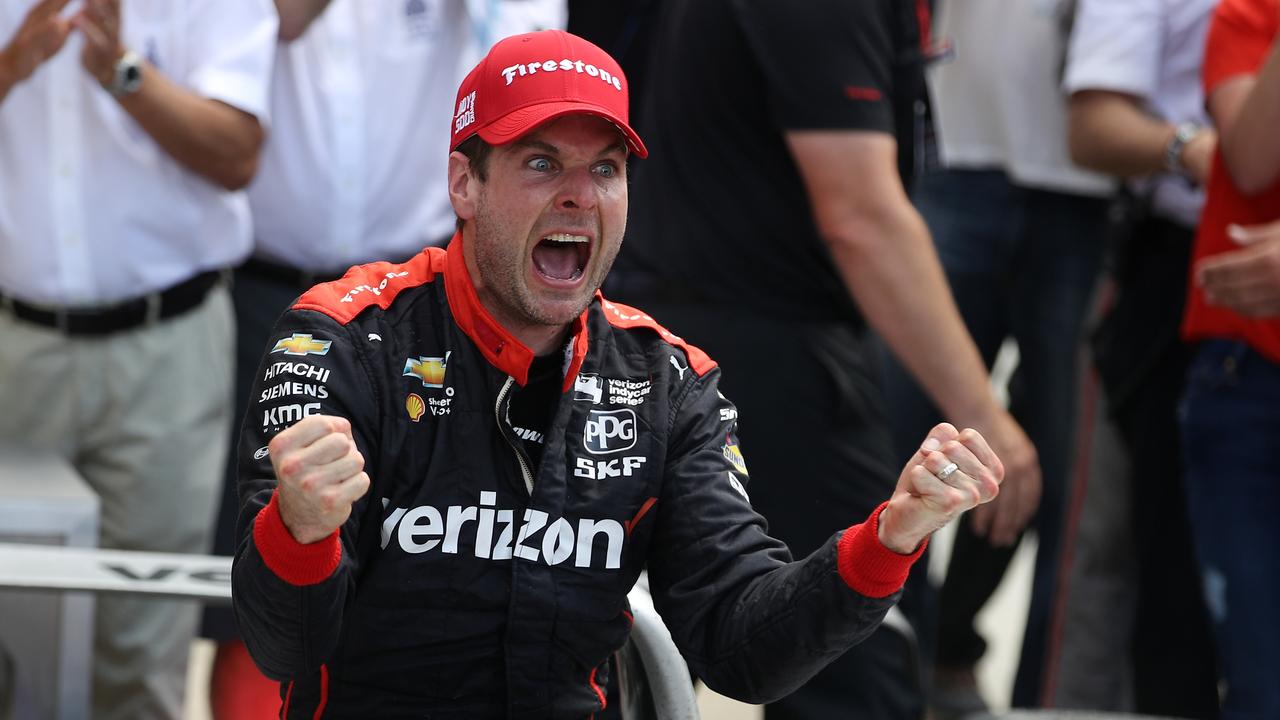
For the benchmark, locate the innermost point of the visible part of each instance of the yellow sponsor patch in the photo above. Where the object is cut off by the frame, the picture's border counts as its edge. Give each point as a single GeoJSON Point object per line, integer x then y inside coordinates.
{"type": "Point", "coordinates": [415, 407]}
{"type": "Point", "coordinates": [301, 344]}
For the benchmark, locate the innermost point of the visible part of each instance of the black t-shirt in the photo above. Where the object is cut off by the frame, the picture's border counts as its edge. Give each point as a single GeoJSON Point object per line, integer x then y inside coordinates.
{"type": "Point", "coordinates": [719, 212]}
{"type": "Point", "coordinates": [533, 405]}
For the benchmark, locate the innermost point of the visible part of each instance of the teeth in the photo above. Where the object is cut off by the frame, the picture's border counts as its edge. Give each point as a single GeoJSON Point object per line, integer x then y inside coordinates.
{"type": "Point", "coordinates": [566, 237]}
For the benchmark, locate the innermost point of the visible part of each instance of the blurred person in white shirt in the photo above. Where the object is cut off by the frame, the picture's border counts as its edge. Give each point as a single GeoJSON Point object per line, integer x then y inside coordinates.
{"type": "Point", "coordinates": [128, 129]}
{"type": "Point", "coordinates": [1137, 111]}
{"type": "Point", "coordinates": [1019, 231]}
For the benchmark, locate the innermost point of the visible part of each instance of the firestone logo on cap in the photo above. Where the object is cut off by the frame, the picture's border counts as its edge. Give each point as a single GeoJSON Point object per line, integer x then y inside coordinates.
{"type": "Point", "coordinates": [527, 80]}
{"type": "Point", "coordinates": [564, 65]}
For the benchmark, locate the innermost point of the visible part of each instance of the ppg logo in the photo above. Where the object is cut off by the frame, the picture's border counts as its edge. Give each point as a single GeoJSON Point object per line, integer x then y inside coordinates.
{"type": "Point", "coordinates": [609, 431]}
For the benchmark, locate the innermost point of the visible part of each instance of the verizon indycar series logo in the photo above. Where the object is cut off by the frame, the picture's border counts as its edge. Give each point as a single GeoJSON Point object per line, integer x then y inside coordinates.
{"type": "Point", "coordinates": [609, 431]}
{"type": "Point", "coordinates": [595, 389]}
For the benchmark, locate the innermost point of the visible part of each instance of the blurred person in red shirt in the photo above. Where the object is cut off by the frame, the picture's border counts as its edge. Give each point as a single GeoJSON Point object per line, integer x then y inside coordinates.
{"type": "Point", "coordinates": [1231, 406]}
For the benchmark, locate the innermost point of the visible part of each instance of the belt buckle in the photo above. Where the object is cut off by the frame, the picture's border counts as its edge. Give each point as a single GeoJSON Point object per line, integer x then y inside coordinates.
{"type": "Point", "coordinates": [152, 315]}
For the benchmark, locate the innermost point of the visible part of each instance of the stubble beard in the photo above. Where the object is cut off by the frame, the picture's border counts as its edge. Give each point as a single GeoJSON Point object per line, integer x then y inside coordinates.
{"type": "Point", "coordinates": [502, 270]}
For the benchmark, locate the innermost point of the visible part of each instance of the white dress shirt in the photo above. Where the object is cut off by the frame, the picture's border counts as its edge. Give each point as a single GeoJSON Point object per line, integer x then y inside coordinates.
{"type": "Point", "coordinates": [356, 166]}
{"type": "Point", "coordinates": [999, 102]}
{"type": "Point", "coordinates": [92, 210]}
{"type": "Point", "coordinates": [1152, 49]}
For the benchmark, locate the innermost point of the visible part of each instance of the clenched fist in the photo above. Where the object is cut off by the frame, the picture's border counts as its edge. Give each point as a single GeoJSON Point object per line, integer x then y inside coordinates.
{"type": "Point", "coordinates": [951, 472]}
{"type": "Point", "coordinates": [319, 475]}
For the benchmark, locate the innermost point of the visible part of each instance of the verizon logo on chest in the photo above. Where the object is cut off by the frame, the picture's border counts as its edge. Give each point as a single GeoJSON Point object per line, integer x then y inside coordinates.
{"type": "Point", "coordinates": [496, 534]}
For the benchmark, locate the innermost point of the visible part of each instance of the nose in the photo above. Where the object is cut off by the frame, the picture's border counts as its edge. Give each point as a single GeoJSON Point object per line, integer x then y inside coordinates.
{"type": "Point", "coordinates": [578, 191]}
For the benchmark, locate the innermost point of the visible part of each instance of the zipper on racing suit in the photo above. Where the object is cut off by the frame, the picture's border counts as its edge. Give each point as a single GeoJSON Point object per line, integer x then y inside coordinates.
{"type": "Point", "coordinates": [500, 410]}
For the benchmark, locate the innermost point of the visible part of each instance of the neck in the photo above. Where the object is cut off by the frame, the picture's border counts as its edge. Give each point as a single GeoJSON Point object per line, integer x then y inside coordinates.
{"type": "Point", "coordinates": [541, 339]}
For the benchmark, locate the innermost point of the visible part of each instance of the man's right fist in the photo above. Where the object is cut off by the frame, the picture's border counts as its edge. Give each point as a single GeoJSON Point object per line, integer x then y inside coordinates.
{"type": "Point", "coordinates": [319, 475]}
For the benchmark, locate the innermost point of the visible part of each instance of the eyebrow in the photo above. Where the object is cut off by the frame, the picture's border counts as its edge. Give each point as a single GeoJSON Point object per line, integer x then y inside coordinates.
{"type": "Point", "coordinates": [529, 143]}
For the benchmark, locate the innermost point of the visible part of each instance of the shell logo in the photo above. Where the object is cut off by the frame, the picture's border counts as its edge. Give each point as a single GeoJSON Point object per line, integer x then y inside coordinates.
{"type": "Point", "coordinates": [415, 407]}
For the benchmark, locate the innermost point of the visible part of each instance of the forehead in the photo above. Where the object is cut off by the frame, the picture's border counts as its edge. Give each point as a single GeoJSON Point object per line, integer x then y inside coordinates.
{"type": "Point", "coordinates": [579, 131]}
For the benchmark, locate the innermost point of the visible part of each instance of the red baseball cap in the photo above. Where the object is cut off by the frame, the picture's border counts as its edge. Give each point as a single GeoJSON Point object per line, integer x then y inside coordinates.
{"type": "Point", "coordinates": [528, 79]}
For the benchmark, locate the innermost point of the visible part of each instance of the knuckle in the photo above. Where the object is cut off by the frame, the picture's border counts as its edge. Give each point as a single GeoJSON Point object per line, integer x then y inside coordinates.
{"type": "Point", "coordinates": [289, 466]}
{"type": "Point", "coordinates": [276, 445]}
{"type": "Point", "coordinates": [953, 501]}
{"type": "Point", "coordinates": [307, 482]}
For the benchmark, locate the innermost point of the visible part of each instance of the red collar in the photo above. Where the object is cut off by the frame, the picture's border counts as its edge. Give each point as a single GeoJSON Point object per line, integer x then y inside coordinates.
{"type": "Point", "coordinates": [498, 346]}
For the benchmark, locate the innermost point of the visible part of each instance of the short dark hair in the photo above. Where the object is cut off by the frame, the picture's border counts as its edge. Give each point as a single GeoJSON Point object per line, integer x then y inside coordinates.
{"type": "Point", "coordinates": [477, 152]}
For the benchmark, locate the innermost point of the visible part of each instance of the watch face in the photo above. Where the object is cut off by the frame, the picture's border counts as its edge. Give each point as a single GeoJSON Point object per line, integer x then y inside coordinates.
{"type": "Point", "coordinates": [128, 75]}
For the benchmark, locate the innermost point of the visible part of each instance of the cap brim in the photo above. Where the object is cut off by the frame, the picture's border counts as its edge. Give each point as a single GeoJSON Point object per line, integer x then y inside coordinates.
{"type": "Point", "coordinates": [517, 123]}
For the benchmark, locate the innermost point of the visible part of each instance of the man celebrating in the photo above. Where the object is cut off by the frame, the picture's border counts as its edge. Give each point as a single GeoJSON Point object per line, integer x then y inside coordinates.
{"type": "Point", "coordinates": [482, 454]}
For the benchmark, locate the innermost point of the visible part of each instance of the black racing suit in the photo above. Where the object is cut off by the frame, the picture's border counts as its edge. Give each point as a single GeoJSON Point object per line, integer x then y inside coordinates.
{"type": "Point", "coordinates": [468, 583]}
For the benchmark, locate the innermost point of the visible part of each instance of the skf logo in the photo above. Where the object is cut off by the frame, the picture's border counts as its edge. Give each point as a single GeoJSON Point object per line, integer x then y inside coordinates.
{"type": "Point", "coordinates": [588, 387]}
{"type": "Point", "coordinates": [430, 370]}
{"type": "Point", "coordinates": [301, 344]}
{"type": "Point", "coordinates": [606, 469]}
{"type": "Point", "coordinates": [415, 406]}
{"type": "Point", "coordinates": [609, 431]}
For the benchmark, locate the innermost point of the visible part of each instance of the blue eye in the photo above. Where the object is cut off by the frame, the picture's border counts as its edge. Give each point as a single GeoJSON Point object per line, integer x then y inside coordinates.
{"type": "Point", "coordinates": [540, 164]}
{"type": "Point", "coordinates": [607, 170]}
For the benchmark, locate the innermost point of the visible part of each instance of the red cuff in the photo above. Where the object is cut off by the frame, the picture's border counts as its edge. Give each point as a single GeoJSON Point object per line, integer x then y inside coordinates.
{"type": "Point", "coordinates": [290, 560]}
{"type": "Point", "coordinates": [867, 566]}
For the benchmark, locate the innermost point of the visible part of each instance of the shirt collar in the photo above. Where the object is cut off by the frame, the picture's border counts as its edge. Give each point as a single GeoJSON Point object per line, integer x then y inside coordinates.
{"type": "Point", "coordinates": [499, 346]}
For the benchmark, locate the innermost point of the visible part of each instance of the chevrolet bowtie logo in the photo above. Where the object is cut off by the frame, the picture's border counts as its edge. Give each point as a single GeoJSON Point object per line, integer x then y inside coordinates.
{"type": "Point", "coordinates": [301, 344]}
{"type": "Point", "coordinates": [430, 370]}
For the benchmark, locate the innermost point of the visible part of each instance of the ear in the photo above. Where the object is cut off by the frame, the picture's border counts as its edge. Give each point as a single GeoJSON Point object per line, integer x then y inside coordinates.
{"type": "Point", "coordinates": [463, 186]}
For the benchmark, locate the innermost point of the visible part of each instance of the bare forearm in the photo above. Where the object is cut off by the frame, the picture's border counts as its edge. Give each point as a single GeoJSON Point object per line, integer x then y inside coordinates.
{"type": "Point", "coordinates": [890, 266]}
{"type": "Point", "coordinates": [208, 137]}
{"type": "Point", "coordinates": [1108, 132]}
{"type": "Point", "coordinates": [1250, 144]}
{"type": "Point", "coordinates": [6, 77]}
{"type": "Point", "coordinates": [297, 15]}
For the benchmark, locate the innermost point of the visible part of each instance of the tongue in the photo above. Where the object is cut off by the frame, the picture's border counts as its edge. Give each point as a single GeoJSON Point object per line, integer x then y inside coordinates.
{"type": "Point", "coordinates": [556, 260]}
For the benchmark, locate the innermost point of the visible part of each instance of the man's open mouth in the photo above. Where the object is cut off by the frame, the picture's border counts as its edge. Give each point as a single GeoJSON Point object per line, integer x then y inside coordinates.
{"type": "Point", "coordinates": [562, 256]}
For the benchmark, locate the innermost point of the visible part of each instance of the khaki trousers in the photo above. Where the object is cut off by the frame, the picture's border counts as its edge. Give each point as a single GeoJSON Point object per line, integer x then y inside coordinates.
{"type": "Point", "coordinates": [144, 417]}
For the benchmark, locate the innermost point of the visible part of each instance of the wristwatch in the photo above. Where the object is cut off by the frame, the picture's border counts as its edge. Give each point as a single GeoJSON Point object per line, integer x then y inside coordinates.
{"type": "Point", "coordinates": [126, 77]}
{"type": "Point", "coordinates": [1182, 135]}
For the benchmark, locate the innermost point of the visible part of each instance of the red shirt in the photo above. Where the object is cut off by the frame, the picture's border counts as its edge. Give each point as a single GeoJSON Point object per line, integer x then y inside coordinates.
{"type": "Point", "coordinates": [1239, 40]}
